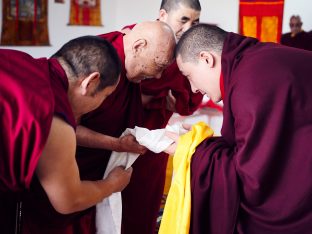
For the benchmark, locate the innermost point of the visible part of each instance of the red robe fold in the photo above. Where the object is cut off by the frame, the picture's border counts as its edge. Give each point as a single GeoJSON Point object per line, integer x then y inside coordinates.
{"type": "Point", "coordinates": [22, 134]}
{"type": "Point", "coordinates": [254, 178]}
{"type": "Point", "coordinates": [142, 197]}
{"type": "Point", "coordinates": [42, 90]}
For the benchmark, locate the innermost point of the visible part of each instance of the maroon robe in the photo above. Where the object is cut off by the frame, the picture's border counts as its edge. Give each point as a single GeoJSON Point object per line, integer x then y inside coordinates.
{"type": "Point", "coordinates": [142, 197]}
{"type": "Point", "coordinates": [256, 177]}
{"type": "Point", "coordinates": [22, 135]}
{"type": "Point", "coordinates": [39, 93]}
{"type": "Point", "coordinates": [302, 40]}
{"type": "Point", "coordinates": [119, 111]}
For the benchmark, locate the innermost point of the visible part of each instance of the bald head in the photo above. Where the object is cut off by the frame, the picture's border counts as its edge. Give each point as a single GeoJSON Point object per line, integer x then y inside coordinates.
{"type": "Point", "coordinates": [201, 37]}
{"type": "Point", "coordinates": [151, 29]}
{"type": "Point", "coordinates": [149, 49]}
{"type": "Point", "coordinates": [171, 5]}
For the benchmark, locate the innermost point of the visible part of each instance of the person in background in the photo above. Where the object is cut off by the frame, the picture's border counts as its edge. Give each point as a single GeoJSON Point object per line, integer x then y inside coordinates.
{"type": "Point", "coordinates": [161, 98]}
{"type": "Point", "coordinates": [297, 37]}
{"type": "Point", "coordinates": [252, 179]}
{"type": "Point", "coordinates": [144, 53]}
{"type": "Point", "coordinates": [41, 100]}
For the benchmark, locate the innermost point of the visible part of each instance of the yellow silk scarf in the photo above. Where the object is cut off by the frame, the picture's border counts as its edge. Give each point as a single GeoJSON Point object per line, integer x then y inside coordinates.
{"type": "Point", "coordinates": [177, 212]}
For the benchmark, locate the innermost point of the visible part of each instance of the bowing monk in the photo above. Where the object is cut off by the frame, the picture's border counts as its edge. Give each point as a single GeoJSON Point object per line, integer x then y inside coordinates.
{"type": "Point", "coordinates": [41, 100]}
{"type": "Point", "coordinates": [161, 98]}
{"type": "Point", "coordinates": [144, 53]}
{"type": "Point", "coordinates": [255, 178]}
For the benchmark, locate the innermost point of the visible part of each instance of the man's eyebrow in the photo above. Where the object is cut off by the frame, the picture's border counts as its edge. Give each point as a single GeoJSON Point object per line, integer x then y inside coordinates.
{"type": "Point", "coordinates": [185, 18]}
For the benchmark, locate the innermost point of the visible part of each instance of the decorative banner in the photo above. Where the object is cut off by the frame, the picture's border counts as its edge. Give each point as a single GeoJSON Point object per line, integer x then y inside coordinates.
{"type": "Point", "coordinates": [261, 19]}
{"type": "Point", "coordinates": [85, 12]}
{"type": "Point", "coordinates": [24, 23]}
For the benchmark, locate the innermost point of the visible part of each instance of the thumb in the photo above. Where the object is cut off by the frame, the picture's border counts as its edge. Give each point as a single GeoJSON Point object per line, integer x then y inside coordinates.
{"type": "Point", "coordinates": [129, 170]}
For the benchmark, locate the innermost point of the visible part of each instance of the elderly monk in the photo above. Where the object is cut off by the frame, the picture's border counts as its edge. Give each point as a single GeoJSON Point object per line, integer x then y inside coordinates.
{"type": "Point", "coordinates": [255, 178]}
{"type": "Point", "coordinates": [144, 53]}
{"type": "Point", "coordinates": [297, 37]}
{"type": "Point", "coordinates": [41, 99]}
{"type": "Point", "coordinates": [161, 98]}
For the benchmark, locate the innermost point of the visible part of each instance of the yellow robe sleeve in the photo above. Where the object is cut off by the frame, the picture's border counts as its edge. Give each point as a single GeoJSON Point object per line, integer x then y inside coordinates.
{"type": "Point", "coordinates": [177, 211]}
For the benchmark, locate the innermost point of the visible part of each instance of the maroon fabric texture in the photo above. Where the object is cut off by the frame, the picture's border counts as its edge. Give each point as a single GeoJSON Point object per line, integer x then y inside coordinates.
{"type": "Point", "coordinates": [254, 178]}
{"type": "Point", "coordinates": [45, 88]}
{"type": "Point", "coordinates": [302, 40]}
{"type": "Point", "coordinates": [36, 205]}
{"type": "Point", "coordinates": [142, 197]}
{"type": "Point", "coordinates": [26, 110]}
{"type": "Point", "coordinates": [25, 86]}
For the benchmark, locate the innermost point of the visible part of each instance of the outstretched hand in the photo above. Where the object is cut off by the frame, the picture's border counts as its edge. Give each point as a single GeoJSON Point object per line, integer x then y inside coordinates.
{"type": "Point", "coordinates": [128, 143]}
{"type": "Point", "coordinates": [175, 137]}
{"type": "Point", "coordinates": [119, 178]}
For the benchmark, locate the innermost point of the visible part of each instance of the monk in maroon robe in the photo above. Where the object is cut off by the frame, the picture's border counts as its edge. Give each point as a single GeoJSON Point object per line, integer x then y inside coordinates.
{"type": "Point", "coordinates": [40, 102]}
{"type": "Point", "coordinates": [141, 58]}
{"type": "Point", "coordinates": [161, 98]}
{"type": "Point", "coordinates": [124, 108]}
{"type": "Point", "coordinates": [297, 38]}
{"type": "Point", "coordinates": [256, 177]}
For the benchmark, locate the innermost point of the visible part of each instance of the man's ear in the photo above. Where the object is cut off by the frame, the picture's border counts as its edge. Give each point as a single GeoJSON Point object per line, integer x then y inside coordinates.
{"type": "Point", "coordinates": [163, 15]}
{"type": "Point", "coordinates": [207, 57]}
{"type": "Point", "coordinates": [138, 45]}
{"type": "Point", "coordinates": [89, 83]}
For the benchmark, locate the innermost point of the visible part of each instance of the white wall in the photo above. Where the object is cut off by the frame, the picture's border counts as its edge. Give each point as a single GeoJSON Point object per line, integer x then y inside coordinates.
{"type": "Point", "coordinates": [118, 13]}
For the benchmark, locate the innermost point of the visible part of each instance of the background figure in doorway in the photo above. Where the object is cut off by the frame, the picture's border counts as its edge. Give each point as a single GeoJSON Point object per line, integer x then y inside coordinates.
{"type": "Point", "coordinates": [297, 37]}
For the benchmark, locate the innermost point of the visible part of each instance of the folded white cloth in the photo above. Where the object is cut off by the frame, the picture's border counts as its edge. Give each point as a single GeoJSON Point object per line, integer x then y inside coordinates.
{"type": "Point", "coordinates": [108, 212]}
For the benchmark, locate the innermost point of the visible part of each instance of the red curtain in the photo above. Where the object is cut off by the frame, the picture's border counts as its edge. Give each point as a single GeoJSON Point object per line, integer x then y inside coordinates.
{"type": "Point", "coordinates": [85, 12]}
{"type": "Point", "coordinates": [261, 19]}
{"type": "Point", "coordinates": [25, 23]}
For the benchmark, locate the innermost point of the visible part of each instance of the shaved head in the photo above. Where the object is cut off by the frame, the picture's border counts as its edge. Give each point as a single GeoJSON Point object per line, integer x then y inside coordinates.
{"type": "Point", "coordinates": [149, 49]}
{"type": "Point", "coordinates": [201, 37]}
{"type": "Point", "coordinates": [154, 31]}
{"type": "Point", "coordinates": [170, 5]}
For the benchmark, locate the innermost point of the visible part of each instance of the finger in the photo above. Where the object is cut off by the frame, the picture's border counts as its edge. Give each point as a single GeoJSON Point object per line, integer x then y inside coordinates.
{"type": "Point", "coordinates": [187, 126]}
{"type": "Point", "coordinates": [129, 170]}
